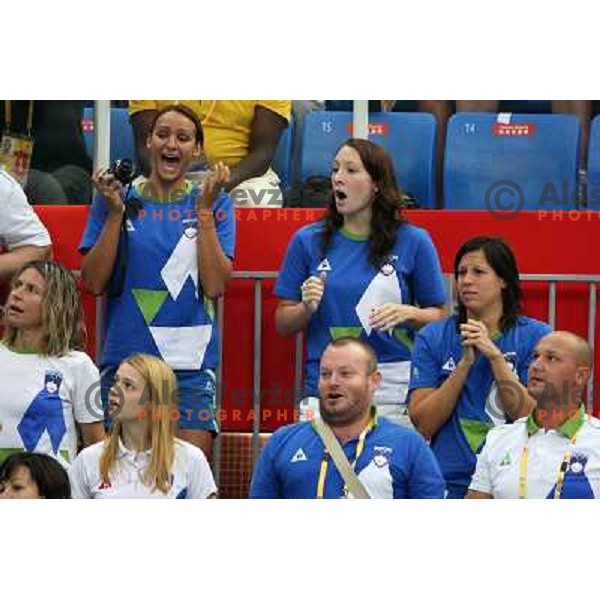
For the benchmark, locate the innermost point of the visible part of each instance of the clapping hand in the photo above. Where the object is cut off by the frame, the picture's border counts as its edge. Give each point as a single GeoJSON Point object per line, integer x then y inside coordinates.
{"type": "Point", "coordinates": [214, 182]}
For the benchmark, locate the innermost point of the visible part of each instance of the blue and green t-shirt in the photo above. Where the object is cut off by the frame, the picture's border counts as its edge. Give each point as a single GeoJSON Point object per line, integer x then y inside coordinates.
{"type": "Point", "coordinates": [353, 286]}
{"type": "Point", "coordinates": [436, 353]}
{"type": "Point", "coordinates": [162, 310]}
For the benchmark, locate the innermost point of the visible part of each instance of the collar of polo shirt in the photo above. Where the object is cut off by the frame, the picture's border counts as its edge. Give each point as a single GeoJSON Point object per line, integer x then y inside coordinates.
{"type": "Point", "coordinates": [568, 429]}
{"type": "Point", "coordinates": [124, 451]}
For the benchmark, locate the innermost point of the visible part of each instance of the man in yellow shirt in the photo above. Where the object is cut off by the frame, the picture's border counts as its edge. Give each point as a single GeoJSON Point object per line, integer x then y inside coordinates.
{"type": "Point", "coordinates": [243, 134]}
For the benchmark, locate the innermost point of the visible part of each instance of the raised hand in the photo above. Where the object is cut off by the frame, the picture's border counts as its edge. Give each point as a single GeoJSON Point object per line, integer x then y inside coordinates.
{"type": "Point", "coordinates": [312, 292]}
{"type": "Point", "coordinates": [217, 177]}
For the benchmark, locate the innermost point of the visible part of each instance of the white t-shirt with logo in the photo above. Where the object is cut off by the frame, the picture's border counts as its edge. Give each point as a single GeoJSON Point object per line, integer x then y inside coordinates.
{"type": "Point", "coordinates": [499, 465]}
{"type": "Point", "coordinates": [192, 477]}
{"type": "Point", "coordinates": [41, 400]}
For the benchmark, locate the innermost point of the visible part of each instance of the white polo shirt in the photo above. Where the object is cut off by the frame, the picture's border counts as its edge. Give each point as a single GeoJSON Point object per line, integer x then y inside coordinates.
{"type": "Point", "coordinates": [500, 464]}
{"type": "Point", "coordinates": [192, 477]}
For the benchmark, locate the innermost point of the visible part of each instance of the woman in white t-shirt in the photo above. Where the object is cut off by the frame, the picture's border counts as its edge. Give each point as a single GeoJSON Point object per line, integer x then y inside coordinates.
{"type": "Point", "coordinates": [48, 385]}
{"type": "Point", "coordinates": [142, 458]}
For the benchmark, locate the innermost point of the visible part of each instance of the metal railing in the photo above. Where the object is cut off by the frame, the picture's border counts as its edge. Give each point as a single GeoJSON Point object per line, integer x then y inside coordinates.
{"type": "Point", "coordinates": [260, 276]}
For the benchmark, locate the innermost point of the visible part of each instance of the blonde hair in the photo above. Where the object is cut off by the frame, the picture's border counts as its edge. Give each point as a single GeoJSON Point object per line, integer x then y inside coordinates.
{"type": "Point", "coordinates": [63, 327]}
{"type": "Point", "coordinates": [161, 386]}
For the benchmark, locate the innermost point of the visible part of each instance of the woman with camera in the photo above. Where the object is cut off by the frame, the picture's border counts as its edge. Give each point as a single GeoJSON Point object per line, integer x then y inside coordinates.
{"type": "Point", "coordinates": [162, 251]}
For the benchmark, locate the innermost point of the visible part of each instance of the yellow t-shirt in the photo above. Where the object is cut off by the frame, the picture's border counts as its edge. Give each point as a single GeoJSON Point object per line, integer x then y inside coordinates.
{"type": "Point", "coordinates": [226, 123]}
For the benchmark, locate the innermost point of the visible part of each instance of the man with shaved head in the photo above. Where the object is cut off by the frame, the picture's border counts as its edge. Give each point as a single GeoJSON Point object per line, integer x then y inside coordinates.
{"type": "Point", "coordinates": [554, 452]}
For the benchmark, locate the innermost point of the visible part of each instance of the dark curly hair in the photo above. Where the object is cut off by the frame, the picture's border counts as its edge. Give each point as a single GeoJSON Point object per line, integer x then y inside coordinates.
{"type": "Point", "coordinates": [502, 260]}
{"type": "Point", "coordinates": [386, 218]}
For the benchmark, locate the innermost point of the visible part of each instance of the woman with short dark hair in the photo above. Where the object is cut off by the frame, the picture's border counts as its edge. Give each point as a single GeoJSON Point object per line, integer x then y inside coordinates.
{"type": "Point", "coordinates": [29, 475]}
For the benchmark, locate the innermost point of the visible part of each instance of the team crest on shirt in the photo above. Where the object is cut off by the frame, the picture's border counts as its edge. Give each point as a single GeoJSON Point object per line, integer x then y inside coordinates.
{"type": "Point", "coordinates": [381, 456]}
{"type": "Point", "coordinates": [190, 228]}
{"type": "Point", "coordinates": [388, 267]}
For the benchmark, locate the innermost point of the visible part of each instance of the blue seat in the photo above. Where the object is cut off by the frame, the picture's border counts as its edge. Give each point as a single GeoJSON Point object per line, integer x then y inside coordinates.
{"type": "Point", "coordinates": [409, 139]}
{"type": "Point", "coordinates": [593, 166]}
{"type": "Point", "coordinates": [530, 163]}
{"type": "Point", "coordinates": [121, 135]}
{"type": "Point", "coordinates": [283, 159]}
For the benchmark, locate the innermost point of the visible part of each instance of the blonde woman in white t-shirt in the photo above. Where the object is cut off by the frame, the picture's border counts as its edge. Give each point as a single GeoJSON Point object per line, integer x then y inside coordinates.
{"type": "Point", "coordinates": [141, 458]}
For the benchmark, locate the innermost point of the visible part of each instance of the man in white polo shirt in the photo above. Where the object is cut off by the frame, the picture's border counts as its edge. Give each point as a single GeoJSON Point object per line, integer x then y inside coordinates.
{"type": "Point", "coordinates": [554, 452]}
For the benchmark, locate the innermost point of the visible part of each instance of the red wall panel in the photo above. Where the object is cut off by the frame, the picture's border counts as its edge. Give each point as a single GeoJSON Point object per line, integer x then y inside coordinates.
{"type": "Point", "coordinates": [544, 243]}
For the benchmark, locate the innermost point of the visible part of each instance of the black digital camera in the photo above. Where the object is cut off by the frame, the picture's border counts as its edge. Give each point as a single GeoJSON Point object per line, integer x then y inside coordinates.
{"type": "Point", "coordinates": [123, 171]}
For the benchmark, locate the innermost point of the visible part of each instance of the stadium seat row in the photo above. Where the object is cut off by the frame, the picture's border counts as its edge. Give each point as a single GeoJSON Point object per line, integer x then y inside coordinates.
{"type": "Point", "coordinates": [500, 161]}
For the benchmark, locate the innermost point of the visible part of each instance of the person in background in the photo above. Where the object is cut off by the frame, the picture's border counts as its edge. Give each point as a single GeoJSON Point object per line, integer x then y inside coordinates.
{"type": "Point", "coordinates": [60, 169]}
{"type": "Point", "coordinates": [33, 476]}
